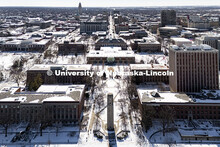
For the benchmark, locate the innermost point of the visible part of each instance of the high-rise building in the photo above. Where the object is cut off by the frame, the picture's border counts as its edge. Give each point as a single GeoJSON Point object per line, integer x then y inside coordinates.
{"type": "Point", "coordinates": [211, 39]}
{"type": "Point", "coordinates": [168, 17]}
{"type": "Point", "coordinates": [195, 68]}
{"type": "Point", "coordinates": [80, 9]}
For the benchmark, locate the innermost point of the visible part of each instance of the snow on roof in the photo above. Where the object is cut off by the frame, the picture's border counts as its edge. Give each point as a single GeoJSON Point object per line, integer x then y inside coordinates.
{"type": "Point", "coordinates": [193, 47]}
{"type": "Point", "coordinates": [46, 67]}
{"type": "Point", "coordinates": [45, 93]}
{"type": "Point", "coordinates": [111, 52]}
{"type": "Point", "coordinates": [35, 101]}
{"type": "Point", "coordinates": [66, 89]}
{"type": "Point", "coordinates": [148, 67]}
{"type": "Point", "coordinates": [179, 39]}
{"type": "Point", "coordinates": [146, 95]}
{"type": "Point", "coordinates": [61, 99]}
{"type": "Point", "coordinates": [14, 99]}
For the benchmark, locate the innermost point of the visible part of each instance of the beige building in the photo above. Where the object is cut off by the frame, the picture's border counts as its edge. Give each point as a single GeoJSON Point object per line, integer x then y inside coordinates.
{"type": "Point", "coordinates": [110, 55]}
{"type": "Point", "coordinates": [195, 68]}
{"type": "Point", "coordinates": [50, 103]}
{"type": "Point", "coordinates": [104, 42]}
{"type": "Point", "coordinates": [58, 75]}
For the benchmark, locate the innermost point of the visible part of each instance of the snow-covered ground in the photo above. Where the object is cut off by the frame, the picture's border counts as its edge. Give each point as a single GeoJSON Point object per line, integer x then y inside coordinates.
{"type": "Point", "coordinates": [151, 58]}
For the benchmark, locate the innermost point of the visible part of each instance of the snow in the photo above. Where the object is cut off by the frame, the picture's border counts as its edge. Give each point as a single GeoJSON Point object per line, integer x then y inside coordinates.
{"type": "Point", "coordinates": [152, 58]}
{"type": "Point", "coordinates": [35, 101]}
{"type": "Point", "coordinates": [60, 98]}
{"type": "Point", "coordinates": [15, 99]}
{"type": "Point", "coordinates": [145, 95]}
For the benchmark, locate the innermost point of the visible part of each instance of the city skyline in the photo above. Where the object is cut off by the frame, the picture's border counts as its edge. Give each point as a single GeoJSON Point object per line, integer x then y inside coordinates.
{"type": "Point", "coordinates": [113, 3]}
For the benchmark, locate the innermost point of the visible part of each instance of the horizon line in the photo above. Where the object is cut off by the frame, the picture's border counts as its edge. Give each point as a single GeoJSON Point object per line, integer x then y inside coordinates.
{"type": "Point", "coordinates": [112, 6]}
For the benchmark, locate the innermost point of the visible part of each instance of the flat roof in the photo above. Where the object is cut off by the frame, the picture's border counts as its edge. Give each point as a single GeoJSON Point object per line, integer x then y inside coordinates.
{"type": "Point", "coordinates": [148, 67]}
{"type": "Point", "coordinates": [193, 48]}
{"type": "Point", "coordinates": [180, 39]}
{"type": "Point", "coordinates": [45, 93]}
{"type": "Point", "coordinates": [75, 67]}
{"type": "Point", "coordinates": [111, 52]}
{"type": "Point", "coordinates": [152, 94]}
{"type": "Point", "coordinates": [146, 93]}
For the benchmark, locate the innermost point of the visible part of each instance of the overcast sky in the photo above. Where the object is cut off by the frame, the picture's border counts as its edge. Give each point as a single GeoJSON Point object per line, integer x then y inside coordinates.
{"type": "Point", "coordinates": [109, 3]}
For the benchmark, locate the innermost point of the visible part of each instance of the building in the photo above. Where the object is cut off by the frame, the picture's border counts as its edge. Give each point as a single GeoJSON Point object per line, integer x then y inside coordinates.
{"type": "Point", "coordinates": [80, 9]}
{"type": "Point", "coordinates": [38, 22]}
{"type": "Point", "coordinates": [29, 45]}
{"type": "Point", "coordinates": [140, 33]}
{"type": "Point", "coordinates": [195, 68]}
{"type": "Point", "coordinates": [199, 106]}
{"type": "Point", "coordinates": [56, 74]}
{"type": "Point", "coordinates": [49, 104]}
{"type": "Point", "coordinates": [209, 39]}
{"type": "Point", "coordinates": [167, 32]}
{"type": "Point", "coordinates": [147, 69]}
{"type": "Point", "coordinates": [90, 27]}
{"type": "Point", "coordinates": [212, 40]}
{"type": "Point", "coordinates": [168, 17]}
{"type": "Point", "coordinates": [110, 55]}
{"type": "Point", "coordinates": [181, 41]}
{"type": "Point", "coordinates": [110, 112]}
{"type": "Point", "coordinates": [121, 27]}
{"type": "Point", "coordinates": [109, 42]}
{"type": "Point", "coordinates": [147, 44]}
{"type": "Point", "coordinates": [71, 47]}
{"type": "Point", "coordinates": [199, 25]}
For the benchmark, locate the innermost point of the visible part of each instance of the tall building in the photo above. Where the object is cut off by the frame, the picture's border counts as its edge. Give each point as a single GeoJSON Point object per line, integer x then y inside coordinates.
{"type": "Point", "coordinates": [110, 112]}
{"type": "Point", "coordinates": [211, 39]}
{"type": "Point", "coordinates": [90, 27]}
{"type": "Point", "coordinates": [168, 17]}
{"type": "Point", "coordinates": [195, 68]}
{"type": "Point", "coordinates": [80, 9]}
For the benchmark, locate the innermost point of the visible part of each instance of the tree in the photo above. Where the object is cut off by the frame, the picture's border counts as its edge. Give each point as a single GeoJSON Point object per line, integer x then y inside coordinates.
{"type": "Point", "coordinates": [147, 114]}
{"type": "Point", "coordinates": [44, 121]}
{"type": "Point", "coordinates": [166, 115]}
{"type": "Point", "coordinates": [36, 83]}
{"type": "Point", "coordinates": [48, 54]}
{"type": "Point", "coordinates": [1, 77]}
{"type": "Point", "coordinates": [16, 71]}
{"type": "Point", "coordinates": [5, 120]}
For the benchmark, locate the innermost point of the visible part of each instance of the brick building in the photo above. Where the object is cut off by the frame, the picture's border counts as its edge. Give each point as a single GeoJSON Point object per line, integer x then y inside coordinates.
{"type": "Point", "coordinates": [50, 103]}
{"type": "Point", "coordinates": [195, 68]}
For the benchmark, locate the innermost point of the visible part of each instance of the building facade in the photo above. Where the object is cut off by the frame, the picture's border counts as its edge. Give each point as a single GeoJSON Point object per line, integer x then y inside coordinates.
{"type": "Point", "coordinates": [194, 67]}
{"type": "Point", "coordinates": [50, 104]}
{"type": "Point", "coordinates": [49, 76]}
{"type": "Point", "coordinates": [90, 27]}
{"type": "Point", "coordinates": [104, 42]}
{"type": "Point", "coordinates": [168, 17]}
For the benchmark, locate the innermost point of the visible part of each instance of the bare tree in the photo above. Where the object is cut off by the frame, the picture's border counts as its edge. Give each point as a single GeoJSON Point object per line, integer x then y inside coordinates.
{"type": "Point", "coordinates": [5, 121]}
{"type": "Point", "coordinates": [147, 114]}
{"type": "Point", "coordinates": [166, 115]}
{"type": "Point", "coordinates": [16, 71]}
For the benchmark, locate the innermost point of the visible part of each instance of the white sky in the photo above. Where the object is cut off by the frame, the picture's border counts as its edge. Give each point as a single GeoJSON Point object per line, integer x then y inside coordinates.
{"type": "Point", "coordinates": [109, 3]}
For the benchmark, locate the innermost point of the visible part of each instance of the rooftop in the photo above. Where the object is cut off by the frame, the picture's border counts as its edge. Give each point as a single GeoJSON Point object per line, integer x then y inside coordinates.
{"type": "Point", "coordinates": [46, 67]}
{"type": "Point", "coordinates": [148, 67]}
{"type": "Point", "coordinates": [45, 93]}
{"type": "Point", "coordinates": [179, 39]}
{"type": "Point", "coordinates": [202, 47]}
{"type": "Point", "coordinates": [151, 94]}
{"type": "Point", "coordinates": [111, 52]}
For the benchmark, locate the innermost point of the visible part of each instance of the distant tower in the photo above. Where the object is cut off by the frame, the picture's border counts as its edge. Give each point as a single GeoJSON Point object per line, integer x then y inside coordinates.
{"type": "Point", "coordinates": [168, 17]}
{"type": "Point", "coordinates": [80, 9]}
{"type": "Point", "coordinates": [110, 112]}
